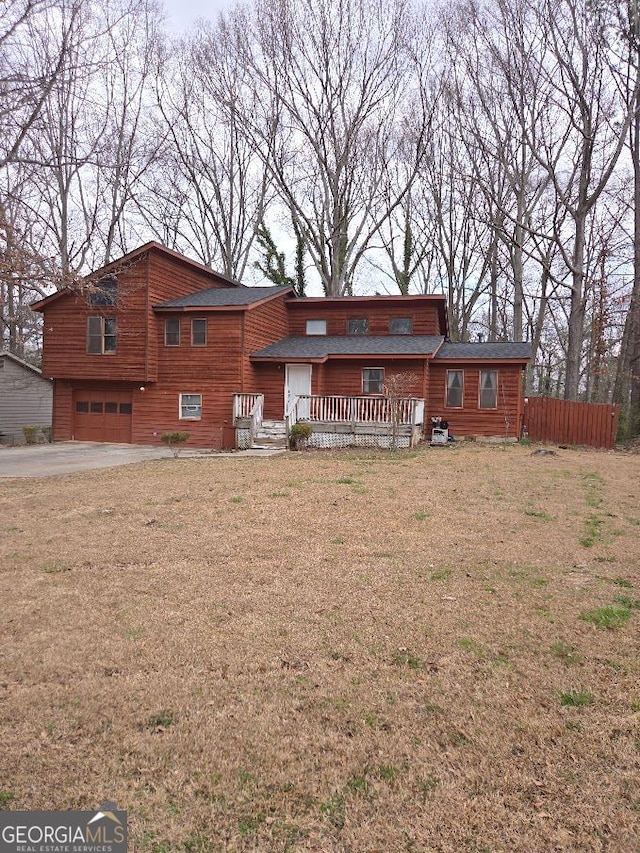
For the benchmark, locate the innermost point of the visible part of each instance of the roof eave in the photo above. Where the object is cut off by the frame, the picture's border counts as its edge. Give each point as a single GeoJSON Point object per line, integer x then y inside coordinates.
{"type": "Point", "coordinates": [163, 309]}
{"type": "Point", "coordinates": [474, 360]}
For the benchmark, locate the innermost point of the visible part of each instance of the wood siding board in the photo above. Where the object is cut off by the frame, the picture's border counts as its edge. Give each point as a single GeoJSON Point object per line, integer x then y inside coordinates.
{"type": "Point", "coordinates": [425, 316]}
{"type": "Point", "coordinates": [471, 419]}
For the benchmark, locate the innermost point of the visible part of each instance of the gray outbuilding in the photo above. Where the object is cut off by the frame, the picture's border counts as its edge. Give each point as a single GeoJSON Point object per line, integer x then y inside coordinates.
{"type": "Point", "coordinates": [26, 399]}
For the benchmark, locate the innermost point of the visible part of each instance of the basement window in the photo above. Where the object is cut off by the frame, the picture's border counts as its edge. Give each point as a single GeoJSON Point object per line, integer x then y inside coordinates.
{"type": "Point", "coordinates": [190, 407]}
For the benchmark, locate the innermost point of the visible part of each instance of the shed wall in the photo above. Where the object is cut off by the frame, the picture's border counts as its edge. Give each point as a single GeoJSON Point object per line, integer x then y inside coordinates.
{"type": "Point", "coordinates": [26, 398]}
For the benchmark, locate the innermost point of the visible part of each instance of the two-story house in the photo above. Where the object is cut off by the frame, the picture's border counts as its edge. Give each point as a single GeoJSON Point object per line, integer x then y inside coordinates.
{"type": "Point", "coordinates": [155, 342]}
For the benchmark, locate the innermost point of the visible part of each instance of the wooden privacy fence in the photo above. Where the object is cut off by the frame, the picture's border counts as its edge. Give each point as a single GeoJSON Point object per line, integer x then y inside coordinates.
{"type": "Point", "coordinates": [564, 422]}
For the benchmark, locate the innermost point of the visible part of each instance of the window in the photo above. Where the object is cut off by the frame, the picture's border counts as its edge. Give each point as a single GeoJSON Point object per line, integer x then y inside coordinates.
{"type": "Point", "coordinates": [198, 333]}
{"type": "Point", "coordinates": [125, 408]}
{"type": "Point", "coordinates": [316, 327]}
{"type": "Point", "coordinates": [400, 326]}
{"type": "Point", "coordinates": [111, 408]}
{"type": "Point", "coordinates": [172, 332]}
{"type": "Point", "coordinates": [101, 335]}
{"type": "Point", "coordinates": [488, 389]}
{"type": "Point", "coordinates": [96, 407]}
{"type": "Point", "coordinates": [82, 406]}
{"type": "Point", "coordinates": [372, 380]}
{"type": "Point", "coordinates": [455, 389]}
{"type": "Point", "coordinates": [357, 326]}
{"type": "Point", "coordinates": [190, 407]}
{"type": "Point", "coordinates": [105, 292]}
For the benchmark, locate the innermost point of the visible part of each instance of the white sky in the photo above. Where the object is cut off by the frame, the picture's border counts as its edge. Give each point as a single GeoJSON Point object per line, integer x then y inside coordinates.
{"type": "Point", "coordinates": [181, 14]}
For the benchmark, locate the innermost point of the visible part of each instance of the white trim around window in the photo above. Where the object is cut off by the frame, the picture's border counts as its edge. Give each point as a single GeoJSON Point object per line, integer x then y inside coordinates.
{"type": "Point", "coordinates": [190, 407]}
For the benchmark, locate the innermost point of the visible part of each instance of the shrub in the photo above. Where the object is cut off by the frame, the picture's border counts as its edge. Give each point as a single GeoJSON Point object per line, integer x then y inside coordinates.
{"type": "Point", "coordinates": [174, 441]}
{"type": "Point", "coordinates": [30, 434]}
{"type": "Point", "coordinates": [299, 435]}
{"type": "Point", "coordinates": [47, 432]}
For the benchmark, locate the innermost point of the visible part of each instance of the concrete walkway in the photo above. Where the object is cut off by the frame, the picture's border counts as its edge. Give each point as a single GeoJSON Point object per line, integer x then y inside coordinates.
{"type": "Point", "coordinates": [69, 457]}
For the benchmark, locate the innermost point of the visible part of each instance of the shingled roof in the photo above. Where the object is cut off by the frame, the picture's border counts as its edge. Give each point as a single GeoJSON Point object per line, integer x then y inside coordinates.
{"type": "Point", "coordinates": [222, 297]}
{"type": "Point", "coordinates": [485, 351]}
{"type": "Point", "coordinates": [325, 346]}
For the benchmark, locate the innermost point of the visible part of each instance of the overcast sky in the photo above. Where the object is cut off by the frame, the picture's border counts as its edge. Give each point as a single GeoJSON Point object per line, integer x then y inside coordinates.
{"type": "Point", "coordinates": [181, 14]}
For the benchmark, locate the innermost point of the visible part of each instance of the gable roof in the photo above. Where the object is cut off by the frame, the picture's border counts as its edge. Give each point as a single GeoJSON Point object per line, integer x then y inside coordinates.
{"type": "Point", "coordinates": [24, 364]}
{"type": "Point", "coordinates": [130, 257]}
{"type": "Point", "coordinates": [492, 351]}
{"type": "Point", "coordinates": [222, 297]}
{"type": "Point", "coordinates": [322, 347]}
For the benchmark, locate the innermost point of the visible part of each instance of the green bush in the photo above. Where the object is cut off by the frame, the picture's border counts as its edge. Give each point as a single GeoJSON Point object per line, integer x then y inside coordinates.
{"type": "Point", "coordinates": [174, 441]}
{"type": "Point", "coordinates": [30, 434]}
{"type": "Point", "coordinates": [47, 432]}
{"type": "Point", "coordinates": [299, 435]}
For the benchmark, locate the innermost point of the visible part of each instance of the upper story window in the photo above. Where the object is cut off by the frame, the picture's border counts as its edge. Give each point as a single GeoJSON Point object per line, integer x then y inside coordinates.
{"type": "Point", "coordinates": [358, 326]}
{"type": "Point", "coordinates": [400, 326]}
{"type": "Point", "coordinates": [198, 333]}
{"type": "Point", "coordinates": [316, 327]}
{"type": "Point", "coordinates": [101, 335]}
{"type": "Point", "coordinates": [455, 389]}
{"type": "Point", "coordinates": [105, 292]}
{"type": "Point", "coordinates": [172, 332]}
{"type": "Point", "coordinates": [372, 380]}
{"type": "Point", "coordinates": [488, 392]}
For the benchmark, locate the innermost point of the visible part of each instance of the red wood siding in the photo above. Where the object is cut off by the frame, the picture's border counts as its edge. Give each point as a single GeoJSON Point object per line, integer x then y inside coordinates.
{"type": "Point", "coordinates": [62, 410]}
{"type": "Point", "coordinates": [65, 333]}
{"type": "Point", "coordinates": [169, 279]}
{"type": "Point", "coordinates": [506, 419]}
{"type": "Point", "coordinates": [425, 316]}
{"type": "Point", "coordinates": [269, 380]}
{"type": "Point", "coordinates": [263, 324]}
{"type": "Point", "coordinates": [565, 422]}
{"type": "Point", "coordinates": [344, 377]}
{"type": "Point", "coordinates": [156, 410]}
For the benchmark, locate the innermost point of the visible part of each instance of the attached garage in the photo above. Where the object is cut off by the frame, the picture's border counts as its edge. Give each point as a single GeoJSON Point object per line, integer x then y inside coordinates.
{"type": "Point", "coordinates": [102, 415]}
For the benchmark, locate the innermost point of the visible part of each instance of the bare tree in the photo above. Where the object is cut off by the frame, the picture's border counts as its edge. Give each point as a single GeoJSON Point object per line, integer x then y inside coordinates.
{"type": "Point", "coordinates": [331, 80]}
{"type": "Point", "coordinates": [213, 186]}
{"type": "Point", "coordinates": [25, 85]}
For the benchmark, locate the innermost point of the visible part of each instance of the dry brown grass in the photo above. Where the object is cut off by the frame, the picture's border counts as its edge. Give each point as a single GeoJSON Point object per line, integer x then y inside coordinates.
{"type": "Point", "coordinates": [329, 652]}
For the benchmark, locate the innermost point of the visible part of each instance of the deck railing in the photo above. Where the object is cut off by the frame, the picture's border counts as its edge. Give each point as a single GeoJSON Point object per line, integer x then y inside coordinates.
{"type": "Point", "coordinates": [338, 409]}
{"type": "Point", "coordinates": [249, 406]}
{"type": "Point", "coordinates": [244, 404]}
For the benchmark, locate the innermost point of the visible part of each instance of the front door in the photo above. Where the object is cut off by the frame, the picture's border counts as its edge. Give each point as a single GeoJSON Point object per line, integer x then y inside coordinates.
{"type": "Point", "coordinates": [297, 382]}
